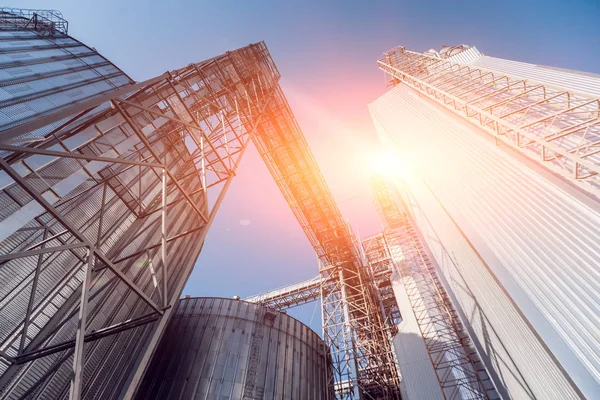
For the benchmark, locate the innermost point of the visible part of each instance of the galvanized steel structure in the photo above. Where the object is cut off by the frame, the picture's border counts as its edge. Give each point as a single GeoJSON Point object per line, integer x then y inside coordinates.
{"type": "Point", "coordinates": [380, 267]}
{"type": "Point", "coordinates": [224, 348]}
{"type": "Point", "coordinates": [290, 296]}
{"type": "Point", "coordinates": [500, 178]}
{"type": "Point", "coordinates": [377, 268]}
{"type": "Point", "coordinates": [108, 190]}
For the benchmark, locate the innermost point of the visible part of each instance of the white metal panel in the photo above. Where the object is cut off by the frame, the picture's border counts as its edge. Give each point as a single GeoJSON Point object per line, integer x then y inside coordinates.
{"type": "Point", "coordinates": [538, 239]}
{"type": "Point", "coordinates": [419, 380]}
{"type": "Point", "coordinates": [582, 82]}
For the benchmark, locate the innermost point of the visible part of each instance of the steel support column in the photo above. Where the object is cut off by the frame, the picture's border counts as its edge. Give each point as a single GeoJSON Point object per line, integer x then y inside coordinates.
{"type": "Point", "coordinates": [75, 392]}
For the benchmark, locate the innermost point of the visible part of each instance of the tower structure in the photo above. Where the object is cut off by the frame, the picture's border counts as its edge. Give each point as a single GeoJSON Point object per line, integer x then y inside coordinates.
{"type": "Point", "coordinates": [500, 178]}
{"type": "Point", "coordinates": [459, 372]}
{"type": "Point", "coordinates": [377, 270]}
{"type": "Point", "coordinates": [108, 190]}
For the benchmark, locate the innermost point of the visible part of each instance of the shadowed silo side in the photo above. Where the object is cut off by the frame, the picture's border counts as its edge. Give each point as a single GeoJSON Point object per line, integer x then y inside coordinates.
{"type": "Point", "coordinates": [229, 349]}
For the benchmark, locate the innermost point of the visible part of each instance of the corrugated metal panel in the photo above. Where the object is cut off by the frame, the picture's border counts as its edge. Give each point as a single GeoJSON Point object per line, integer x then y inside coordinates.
{"type": "Point", "coordinates": [539, 240]}
{"type": "Point", "coordinates": [205, 353]}
{"type": "Point", "coordinates": [576, 81]}
{"type": "Point", "coordinates": [466, 56]}
{"type": "Point", "coordinates": [419, 380]}
{"type": "Point", "coordinates": [40, 75]}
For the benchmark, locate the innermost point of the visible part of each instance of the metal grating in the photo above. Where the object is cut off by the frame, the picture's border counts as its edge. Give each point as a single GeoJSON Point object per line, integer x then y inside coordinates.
{"type": "Point", "coordinates": [45, 22]}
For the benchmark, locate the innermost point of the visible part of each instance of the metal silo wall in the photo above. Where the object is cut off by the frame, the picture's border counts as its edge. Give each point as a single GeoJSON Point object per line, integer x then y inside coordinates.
{"type": "Point", "coordinates": [580, 82]}
{"type": "Point", "coordinates": [205, 354]}
{"type": "Point", "coordinates": [517, 247]}
{"type": "Point", "coordinates": [110, 360]}
{"type": "Point", "coordinates": [41, 75]}
{"type": "Point", "coordinates": [44, 74]}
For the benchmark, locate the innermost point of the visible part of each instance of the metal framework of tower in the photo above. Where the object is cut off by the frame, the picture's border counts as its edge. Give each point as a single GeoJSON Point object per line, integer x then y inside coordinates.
{"type": "Point", "coordinates": [460, 374]}
{"type": "Point", "coordinates": [121, 216]}
{"type": "Point", "coordinates": [353, 326]}
{"type": "Point", "coordinates": [556, 127]}
{"type": "Point", "coordinates": [381, 267]}
{"type": "Point", "coordinates": [378, 268]}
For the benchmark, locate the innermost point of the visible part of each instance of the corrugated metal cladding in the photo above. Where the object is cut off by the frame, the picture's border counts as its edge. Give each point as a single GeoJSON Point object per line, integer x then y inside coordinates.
{"type": "Point", "coordinates": [518, 248]}
{"type": "Point", "coordinates": [419, 381]}
{"type": "Point", "coordinates": [465, 56]}
{"type": "Point", "coordinates": [40, 75]}
{"type": "Point", "coordinates": [206, 353]}
{"type": "Point", "coordinates": [582, 82]}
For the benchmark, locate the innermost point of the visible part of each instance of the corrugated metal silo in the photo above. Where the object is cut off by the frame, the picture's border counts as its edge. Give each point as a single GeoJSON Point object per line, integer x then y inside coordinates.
{"type": "Point", "coordinates": [93, 170]}
{"type": "Point", "coordinates": [229, 349]}
{"type": "Point", "coordinates": [46, 70]}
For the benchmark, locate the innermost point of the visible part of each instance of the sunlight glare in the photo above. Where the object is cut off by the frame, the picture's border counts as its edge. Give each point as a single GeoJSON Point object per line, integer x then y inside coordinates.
{"type": "Point", "coordinates": [387, 163]}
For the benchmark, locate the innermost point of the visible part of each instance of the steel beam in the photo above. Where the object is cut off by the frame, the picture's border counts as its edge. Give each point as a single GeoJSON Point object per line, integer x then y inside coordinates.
{"type": "Point", "coordinates": [58, 216]}
{"type": "Point", "coordinates": [144, 140]}
{"type": "Point", "coordinates": [30, 253]}
{"type": "Point", "coordinates": [75, 392]}
{"type": "Point", "coordinates": [75, 109]}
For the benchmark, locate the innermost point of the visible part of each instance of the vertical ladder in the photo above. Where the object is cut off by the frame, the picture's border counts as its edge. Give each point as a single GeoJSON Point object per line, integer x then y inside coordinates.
{"type": "Point", "coordinates": [459, 370]}
{"type": "Point", "coordinates": [263, 318]}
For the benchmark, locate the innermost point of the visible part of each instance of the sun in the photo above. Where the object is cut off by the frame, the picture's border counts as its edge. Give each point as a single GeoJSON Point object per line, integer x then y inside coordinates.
{"type": "Point", "coordinates": [387, 163]}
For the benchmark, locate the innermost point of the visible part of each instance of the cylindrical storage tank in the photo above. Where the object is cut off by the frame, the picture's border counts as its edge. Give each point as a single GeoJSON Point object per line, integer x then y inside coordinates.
{"type": "Point", "coordinates": [217, 349]}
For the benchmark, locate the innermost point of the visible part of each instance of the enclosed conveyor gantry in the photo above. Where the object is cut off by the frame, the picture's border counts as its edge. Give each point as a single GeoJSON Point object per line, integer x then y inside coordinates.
{"type": "Point", "coordinates": [353, 325]}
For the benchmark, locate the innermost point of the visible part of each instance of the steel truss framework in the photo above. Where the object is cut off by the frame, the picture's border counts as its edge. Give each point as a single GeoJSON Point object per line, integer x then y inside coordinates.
{"type": "Point", "coordinates": [460, 373]}
{"type": "Point", "coordinates": [557, 127]}
{"type": "Point", "coordinates": [290, 296]}
{"type": "Point", "coordinates": [353, 326]}
{"type": "Point", "coordinates": [45, 22]}
{"type": "Point", "coordinates": [378, 269]}
{"type": "Point", "coordinates": [96, 271]}
{"type": "Point", "coordinates": [381, 266]}
{"type": "Point", "coordinates": [121, 216]}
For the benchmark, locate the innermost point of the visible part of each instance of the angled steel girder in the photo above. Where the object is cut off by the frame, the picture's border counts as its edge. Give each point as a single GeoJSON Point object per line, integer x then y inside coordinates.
{"type": "Point", "coordinates": [290, 296]}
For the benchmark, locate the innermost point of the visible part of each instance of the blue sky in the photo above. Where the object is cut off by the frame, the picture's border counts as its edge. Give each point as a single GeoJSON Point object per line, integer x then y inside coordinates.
{"type": "Point", "coordinates": [326, 52]}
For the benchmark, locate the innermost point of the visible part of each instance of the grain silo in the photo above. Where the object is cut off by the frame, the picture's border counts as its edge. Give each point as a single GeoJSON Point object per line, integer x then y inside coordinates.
{"type": "Point", "coordinates": [217, 348]}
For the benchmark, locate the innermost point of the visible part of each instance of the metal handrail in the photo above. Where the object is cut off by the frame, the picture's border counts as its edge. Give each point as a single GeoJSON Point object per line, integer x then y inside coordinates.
{"type": "Point", "coordinates": [51, 20]}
